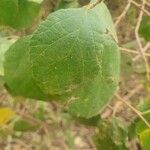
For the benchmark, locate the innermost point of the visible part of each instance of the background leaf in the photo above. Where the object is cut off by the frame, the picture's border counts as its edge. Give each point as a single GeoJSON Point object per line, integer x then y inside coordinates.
{"type": "Point", "coordinates": [145, 139]}
{"type": "Point", "coordinates": [24, 126]}
{"type": "Point", "coordinates": [8, 11]}
{"type": "Point", "coordinates": [18, 13]}
{"type": "Point", "coordinates": [112, 135]}
{"type": "Point", "coordinates": [145, 28]}
{"type": "Point", "coordinates": [27, 12]}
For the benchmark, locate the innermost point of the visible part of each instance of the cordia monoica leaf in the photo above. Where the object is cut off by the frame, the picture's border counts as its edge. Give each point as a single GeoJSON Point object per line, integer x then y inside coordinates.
{"type": "Point", "coordinates": [73, 53]}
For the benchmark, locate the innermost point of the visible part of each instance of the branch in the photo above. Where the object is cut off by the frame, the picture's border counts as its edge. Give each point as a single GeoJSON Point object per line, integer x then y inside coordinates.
{"type": "Point", "coordinates": [147, 46]}
{"type": "Point", "coordinates": [128, 96]}
{"type": "Point", "coordinates": [141, 50]}
{"type": "Point", "coordinates": [123, 13]}
{"type": "Point", "coordinates": [139, 6]}
{"type": "Point", "coordinates": [132, 51]}
{"type": "Point", "coordinates": [134, 110]}
{"type": "Point", "coordinates": [94, 4]}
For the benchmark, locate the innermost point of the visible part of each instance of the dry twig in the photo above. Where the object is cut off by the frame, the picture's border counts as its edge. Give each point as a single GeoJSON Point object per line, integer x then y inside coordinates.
{"type": "Point", "coordinates": [132, 51]}
{"type": "Point", "coordinates": [123, 13]}
{"type": "Point", "coordinates": [128, 96]}
{"type": "Point", "coordinates": [141, 50]}
{"type": "Point", "coordinates": [147, 46]}
{"type": "Point", "coordinates": [94, 4]}
{"type": "Point", "coordinates": [134, 110]}
{"type": "Point", "coordinates": [143, 9]}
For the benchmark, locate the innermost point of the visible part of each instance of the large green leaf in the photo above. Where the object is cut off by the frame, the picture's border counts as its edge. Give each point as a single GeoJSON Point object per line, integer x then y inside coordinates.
{"type": "Point", "coordinates": [8, 10]}
{"type": "Point", "coordinates": [72, 57]}
{"type": "Point", "coordinates": [74, 54]}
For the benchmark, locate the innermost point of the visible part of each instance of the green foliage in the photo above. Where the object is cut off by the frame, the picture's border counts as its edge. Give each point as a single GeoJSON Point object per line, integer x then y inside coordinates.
{"type": "Point", "coordinates": [145, 28]}
{"type": "Point", "coordinates": [71, 57]}
{"type": "Point", "coordinates": [112, 135]}
{"type": "Point", "coordinates": [140, 129]}
{"type": "Point", "coordinates": [24, 126]}
{"type": "Point", "coordinates": [40, 114]}
{"type": "Point", "coordinates": [145, 139]}
{"type": "Point", "coordinates": [140, 125]}
{"type": "Point", "coordinates": [143, 132]}
{"type": "Point", "coordinates": [18, 13]}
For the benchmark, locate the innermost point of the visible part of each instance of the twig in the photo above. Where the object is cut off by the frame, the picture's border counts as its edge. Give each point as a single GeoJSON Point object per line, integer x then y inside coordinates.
{"type": "Point", "coordinates": [146, 112]}
{"type": "Point", "coordinates": [148, 4]}
{"type": "Point", "coordinates": [128, 96]}
{"type": "Point", "coordinates": [143, 9]}
{"type": "Point", "coordinates": [123, 13]}
{"type": "Point", "coordinates": [94, 4]}
{"type": "Point", "coordinates": [139, 42]}
{"type": "Point", "coordinates": [132, 51]}
{"type": "Point", "coordinates": [134, 110]}
{"type": "Point", "coordinates": [144, 49]}
{"type": "Point", "coordinates": [134, 91]}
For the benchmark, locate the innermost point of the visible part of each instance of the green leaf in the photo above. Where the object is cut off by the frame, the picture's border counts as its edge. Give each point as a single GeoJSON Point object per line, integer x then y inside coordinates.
{"type": "Point", "coordinates": [8, 11]}
{"type": "Point", "coordinates": [140, 125]}
{"type": "Point", "coordinates": [24, 126]}
{"type": "Point", "coordinates": [145, 28]}
{"type": "Point", "coordinates": [27, 11]}
{"type": "Point", "coordinates": [138, 128]}
{"type": "Point", "coordinates": [145, 139]}
{"type": "Point", "coordinates": [4, 45]}
{"type": "Point", "coordinates": [74, 55]}
{"type": "Point", "coordinates": [112, 135]}
{"type": "Point", "coordinates": [18, 13]}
